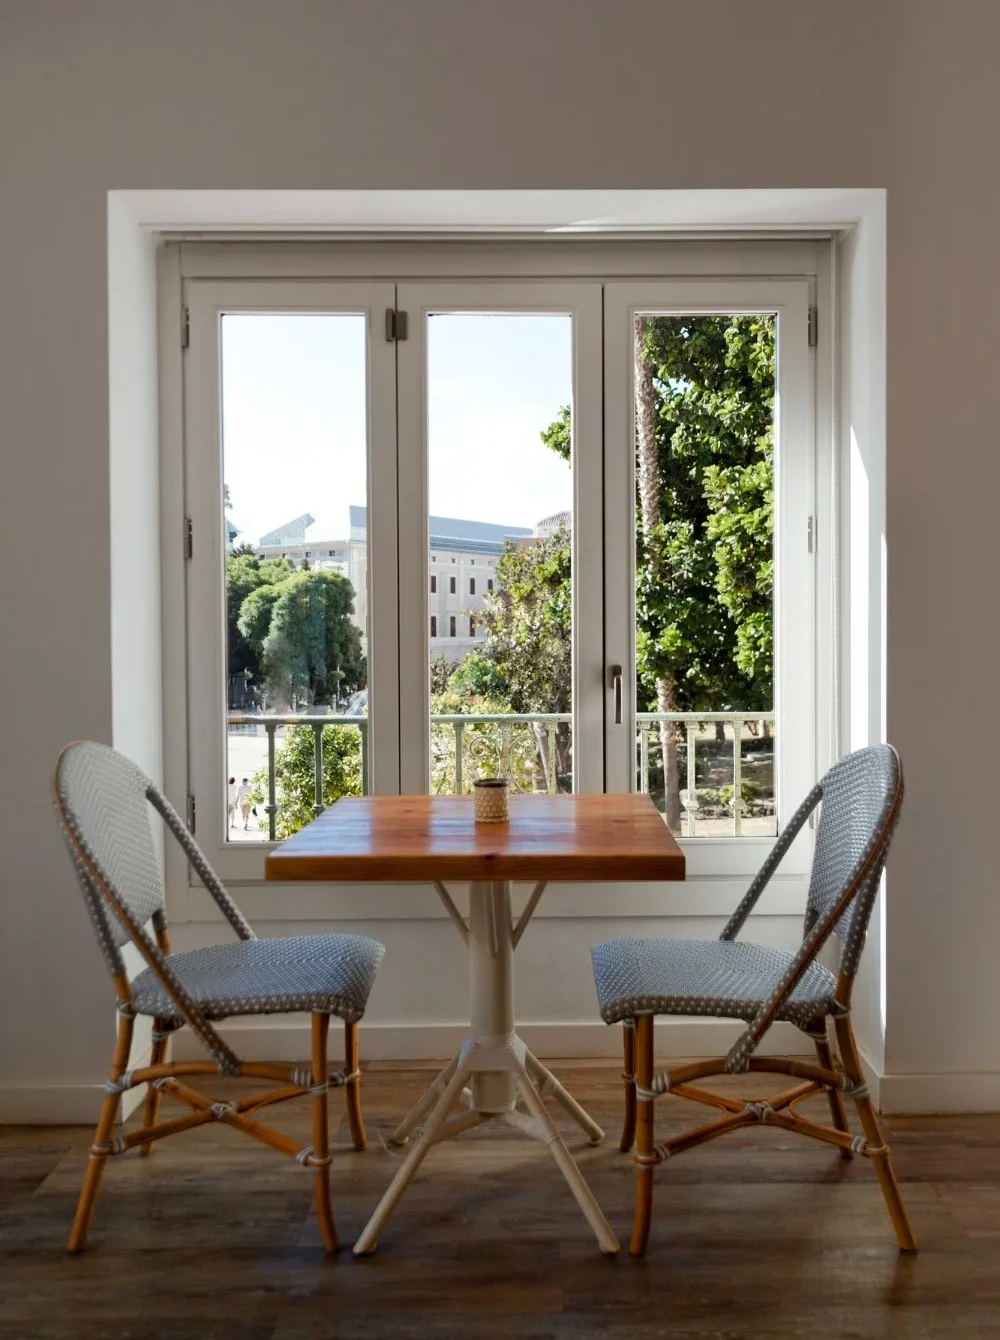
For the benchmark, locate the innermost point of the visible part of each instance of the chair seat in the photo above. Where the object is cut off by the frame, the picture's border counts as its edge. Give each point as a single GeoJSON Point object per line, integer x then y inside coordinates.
{"type": "Point", "coordinates": [330, 974]}
{"type": "Point", "coordinates": [728, 979]}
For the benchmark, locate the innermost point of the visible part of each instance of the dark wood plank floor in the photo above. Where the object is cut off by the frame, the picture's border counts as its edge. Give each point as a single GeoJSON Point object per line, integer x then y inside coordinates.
{"type": "Point", "coordinates": [761, 1235]}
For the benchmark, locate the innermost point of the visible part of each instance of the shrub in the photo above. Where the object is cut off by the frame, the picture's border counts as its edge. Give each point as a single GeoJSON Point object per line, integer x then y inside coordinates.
{"type": "Point", "coordinates": [295, 772]}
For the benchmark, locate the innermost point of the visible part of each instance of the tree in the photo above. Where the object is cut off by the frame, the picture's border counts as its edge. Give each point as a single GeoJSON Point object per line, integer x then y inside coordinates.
{"type": "Point", "coordinates": [441, 671]}
{"type": "Point", "coordinates": [704, 392]}
{"type": "Point", "coordinates": [245, 574]}
{"type": "Point", "coordinates": [302, 632]}
{"type": "Point", "coordinates": [704, 590]}
{"type": "Point", "coordinates": [528, 622]}
{"type": "Point", "coordinates": [477, 676]}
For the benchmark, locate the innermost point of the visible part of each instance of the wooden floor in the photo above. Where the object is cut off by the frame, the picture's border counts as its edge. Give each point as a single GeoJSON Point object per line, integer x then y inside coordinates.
{"type": "Point", "coordinates": [760, 1236]}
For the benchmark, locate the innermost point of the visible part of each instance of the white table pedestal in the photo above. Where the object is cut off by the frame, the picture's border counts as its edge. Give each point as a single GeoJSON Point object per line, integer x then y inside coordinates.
{"type": "Point", "coordinates": [493, 1068]}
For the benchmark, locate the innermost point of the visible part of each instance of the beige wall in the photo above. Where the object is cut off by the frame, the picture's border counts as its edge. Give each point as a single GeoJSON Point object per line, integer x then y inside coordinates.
{"type": "Point", "coordinates": [121, 94]}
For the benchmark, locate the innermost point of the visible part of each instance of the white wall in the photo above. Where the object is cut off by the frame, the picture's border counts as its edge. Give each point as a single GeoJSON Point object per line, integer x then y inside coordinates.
{"type": "Point", "coordinates": [461, 94]}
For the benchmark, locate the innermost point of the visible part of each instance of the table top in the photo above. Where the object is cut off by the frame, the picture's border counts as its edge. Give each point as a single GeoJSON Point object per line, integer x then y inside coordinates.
{"type": "Point", "coordinates": [421, 838]}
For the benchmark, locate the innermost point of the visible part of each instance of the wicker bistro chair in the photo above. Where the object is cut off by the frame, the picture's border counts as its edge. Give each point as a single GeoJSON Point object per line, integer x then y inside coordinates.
{"type": "Point", "coordinates": [101, 800]}
{"type": "Point", "coordinates": [639, 979]}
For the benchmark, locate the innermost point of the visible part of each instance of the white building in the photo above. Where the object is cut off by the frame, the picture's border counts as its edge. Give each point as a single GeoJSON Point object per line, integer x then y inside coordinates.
{"type": "Point", "coordinates": [462, 566]}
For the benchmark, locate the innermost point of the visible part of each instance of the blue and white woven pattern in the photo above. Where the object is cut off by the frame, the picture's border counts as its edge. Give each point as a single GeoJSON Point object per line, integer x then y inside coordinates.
{"type": "Point", "coordinates": [859, 793]}
{"type": "Point", "coordinates": [726, 979]}
{"type": "Point", "coordinates": [102, 796]}
{"type": "Point", "coordinates": [329, 974]}
{"type": "Point", "coordinates": [860, 799]}
{"type": "Point", "coordinates": [103, 804]}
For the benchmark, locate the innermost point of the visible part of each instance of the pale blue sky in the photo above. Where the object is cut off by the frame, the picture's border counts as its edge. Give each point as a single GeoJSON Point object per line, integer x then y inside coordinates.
{"type": "Point", "coordinates": [294, 418]}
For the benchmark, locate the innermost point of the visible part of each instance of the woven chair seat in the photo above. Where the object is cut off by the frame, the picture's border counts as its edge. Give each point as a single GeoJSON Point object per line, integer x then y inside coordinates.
{"type": "Point", "coordinates": [330, 974]}
{"type": "Point", "coordinates": [727, 979]}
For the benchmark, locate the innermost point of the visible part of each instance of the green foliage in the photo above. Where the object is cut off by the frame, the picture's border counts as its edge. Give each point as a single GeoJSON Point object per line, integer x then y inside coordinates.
{"type": "Point", "coordinates": [705, 574]}
{"type": "Point", "coordinates": [295, 773]}
{"type": "Point", "coordinates": [558, 436]}
{"type": "Point", "coordinates": [291, 630]}
{"type": "Point", "coordinates": [441, 672]}
{"type": "Point", "coordinates": [705, 570]}
{"type": "Point", "coordinates": [245, 573]}
{"type": "Point", "coordinates": [477, 676]}
{"type": "Point", "coordinates": [309, 635]}
{"type": "Point", "coordinates": [528, 621]}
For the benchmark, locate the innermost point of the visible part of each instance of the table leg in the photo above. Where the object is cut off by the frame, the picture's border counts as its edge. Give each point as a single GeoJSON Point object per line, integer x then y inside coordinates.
{"type": "Point", "coordinates": [418, 1151]}
{"type": "Point", "coordinates": [491, 989]}
{"type": "Point", "coordinates": [417, 1113]}
{"type": "Point", "coordinates": [547, 1084]}
{"type": "Point", "coordinates": [496, 1066]}
{"type": "Point", "coordinates": [549, 1136]}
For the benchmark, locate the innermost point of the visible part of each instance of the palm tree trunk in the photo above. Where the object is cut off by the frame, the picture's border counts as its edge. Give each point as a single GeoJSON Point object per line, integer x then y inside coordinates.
{"type": "Point", "coordinates": [648, 484]}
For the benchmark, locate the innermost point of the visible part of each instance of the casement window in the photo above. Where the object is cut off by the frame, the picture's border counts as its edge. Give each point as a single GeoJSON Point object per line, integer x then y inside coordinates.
{"type": "Point", "coordinates": [652, 532]}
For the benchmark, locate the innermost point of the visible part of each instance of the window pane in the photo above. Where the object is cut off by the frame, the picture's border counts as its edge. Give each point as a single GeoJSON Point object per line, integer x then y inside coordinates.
{"type": "Point", "coordinates": [500, 389]}
{"type": "Point", "coordinates": [704, 392]}
{"type": "Point", "coordinates": [294, 431]}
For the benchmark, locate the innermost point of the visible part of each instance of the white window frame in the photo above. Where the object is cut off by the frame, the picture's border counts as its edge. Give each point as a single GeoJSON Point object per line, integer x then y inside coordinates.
{"type": "Point", "coordinates": [206, 302]}
{"type": "Point", "coordinates": [582, 302]}
{"type": "Point", "coordinates": [795, 504]}
{"type": "Point", "coordinates": [250, 262]}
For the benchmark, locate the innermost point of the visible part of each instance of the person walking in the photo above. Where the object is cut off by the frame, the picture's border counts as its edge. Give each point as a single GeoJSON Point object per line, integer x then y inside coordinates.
{"type": "Point", "coordinates": [243, 801]}
{"type": "Point", "coordinates": [232, 802]}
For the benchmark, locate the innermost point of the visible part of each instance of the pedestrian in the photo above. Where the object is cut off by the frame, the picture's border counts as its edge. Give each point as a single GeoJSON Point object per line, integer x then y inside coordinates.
{"type": "Point", "coordinates": [232, 802]}
{"type": "Point", "coordinates": [243, 800]}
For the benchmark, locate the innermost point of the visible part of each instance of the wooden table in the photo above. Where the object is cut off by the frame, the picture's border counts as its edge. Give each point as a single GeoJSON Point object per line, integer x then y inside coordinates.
{"type": "Point", "coordinates": [430, 839]}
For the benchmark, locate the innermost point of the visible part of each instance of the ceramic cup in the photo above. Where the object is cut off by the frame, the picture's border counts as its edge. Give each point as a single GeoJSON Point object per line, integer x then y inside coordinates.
{"type": "Point", "coordinates": [491, 800]}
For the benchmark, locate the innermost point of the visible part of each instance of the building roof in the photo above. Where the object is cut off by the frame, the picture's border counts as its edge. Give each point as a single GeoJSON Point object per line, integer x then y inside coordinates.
{"type": "Point", "coordinates": [446, 531]}
{"type": "Point", "coordinates": [292, 532]}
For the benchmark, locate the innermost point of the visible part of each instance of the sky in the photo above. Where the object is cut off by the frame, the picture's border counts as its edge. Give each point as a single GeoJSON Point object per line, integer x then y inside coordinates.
{"type": "Point", "coordinates": [294, 432]}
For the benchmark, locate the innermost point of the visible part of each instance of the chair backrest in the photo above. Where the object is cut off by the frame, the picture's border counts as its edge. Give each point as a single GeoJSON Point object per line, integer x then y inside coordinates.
{"type": "Point", "coordinates": [102, 800]}
{"type": "Point", "coordinates": [861, 796]}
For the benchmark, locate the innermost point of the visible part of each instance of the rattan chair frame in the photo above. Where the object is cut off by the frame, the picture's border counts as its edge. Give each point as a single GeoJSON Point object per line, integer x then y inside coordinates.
{"type": "Point", "coordinates": [839, 1076]}
{"type": "Point", "coordinates": [164, 1076]}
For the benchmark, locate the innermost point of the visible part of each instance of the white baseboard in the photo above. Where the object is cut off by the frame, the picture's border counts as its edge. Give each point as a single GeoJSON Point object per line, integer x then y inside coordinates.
{"type": "Point", "coordinates": [921, 1095]}
{"type": "Point", "coordinates": [68, 1102]}
{"type": "Point", "coordinates": [38, 1103]}
{"type": "Point", "coordinates": [50, 1103]}
{"type": "Point", "coordinates": [286, 1040]}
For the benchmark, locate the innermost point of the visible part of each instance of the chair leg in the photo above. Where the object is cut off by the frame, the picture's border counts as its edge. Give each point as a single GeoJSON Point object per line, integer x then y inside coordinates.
{"type": "Point", "coordinates": [628, 1077]}
{"type": "Point", "coordinates": [838, 1109]}
{"type": "Point", "coordinates": [100, 1149]}
{"type": "Point", "coordinates": [875, 1137]}
{"type": "Point", "coordinates": [321, 1132]}
{"type": "Point", "coordinates": [645, 1158]}
{"type": "Point", "coordinates": [353, 1089]}
{"type": "Point", "coordinates": [157, 1056]}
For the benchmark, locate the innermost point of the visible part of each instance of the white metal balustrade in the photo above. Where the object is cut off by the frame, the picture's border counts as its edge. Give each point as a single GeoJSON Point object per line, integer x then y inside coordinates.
{"type": "Point", "coordinates": [649, 731]}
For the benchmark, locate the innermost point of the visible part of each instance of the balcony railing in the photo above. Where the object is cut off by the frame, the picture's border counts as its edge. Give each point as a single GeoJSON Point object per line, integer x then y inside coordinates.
{"type": "Point", "coordinates": [647, 722]}
{"type": "Point", "coordinates": [473, 745]}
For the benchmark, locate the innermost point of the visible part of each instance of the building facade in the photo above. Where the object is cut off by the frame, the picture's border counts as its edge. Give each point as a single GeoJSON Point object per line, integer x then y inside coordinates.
{"type": "Point", "coordinates": [461, 570]}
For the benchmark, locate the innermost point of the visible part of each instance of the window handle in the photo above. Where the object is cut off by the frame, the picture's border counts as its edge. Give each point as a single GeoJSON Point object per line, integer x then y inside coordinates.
{"type": "Point", "coordinates": [616, 684]}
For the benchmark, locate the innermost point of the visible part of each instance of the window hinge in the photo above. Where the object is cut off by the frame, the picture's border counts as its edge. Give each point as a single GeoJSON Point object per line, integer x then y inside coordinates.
{"type": "Point", "coordinates": [188, 537]}
{"type": "Point", "coordinates": [190, 814]}
{"type": "Point", "coordinates": [185, 326]}
{"type": "Point", "coordinates": [811, 533]}
{"type": "Point", "coordinates": [395, 325]}
{"type": "Point", "coordinates": [813, 328]}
